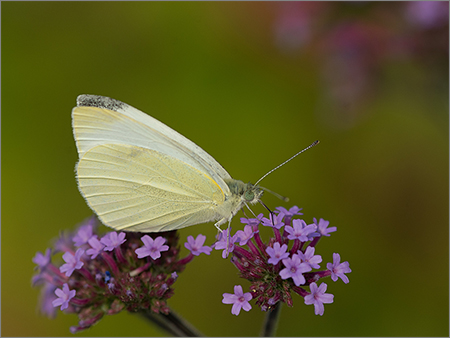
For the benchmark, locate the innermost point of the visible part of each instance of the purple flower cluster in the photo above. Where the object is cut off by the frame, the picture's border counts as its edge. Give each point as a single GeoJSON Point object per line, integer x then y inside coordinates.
{"type": "Point", "coordinates": [105, 275]}
{"type": "Point", "coordinates": [281, 265]}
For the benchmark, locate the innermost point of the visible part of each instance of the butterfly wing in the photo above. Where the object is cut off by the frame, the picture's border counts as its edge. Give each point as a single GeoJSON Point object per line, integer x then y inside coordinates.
{"type": "Point", "coordinates": [139, 189]}
{"type": "Point", "coordinates": [99, 120]}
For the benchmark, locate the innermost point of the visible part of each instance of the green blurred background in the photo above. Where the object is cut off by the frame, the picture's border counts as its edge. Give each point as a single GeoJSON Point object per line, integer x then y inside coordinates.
{"type": "Point", "coordinates": [251, 83]}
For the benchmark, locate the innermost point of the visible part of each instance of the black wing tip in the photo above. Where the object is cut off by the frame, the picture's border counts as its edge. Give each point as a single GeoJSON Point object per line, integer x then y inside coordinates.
{"type": "Point", "coordinates": [98, 101]}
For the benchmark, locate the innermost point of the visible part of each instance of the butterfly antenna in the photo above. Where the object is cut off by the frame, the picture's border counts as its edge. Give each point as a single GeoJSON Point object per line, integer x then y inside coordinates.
{"type": "Point", "coordinates": [282, 164]}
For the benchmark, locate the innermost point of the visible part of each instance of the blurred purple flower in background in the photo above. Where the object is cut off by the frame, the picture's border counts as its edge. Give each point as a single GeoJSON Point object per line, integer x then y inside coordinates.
{"type": "Point", "coordinates": [427, 14]}
{"type": "Point", "coordinates": [353, 41]}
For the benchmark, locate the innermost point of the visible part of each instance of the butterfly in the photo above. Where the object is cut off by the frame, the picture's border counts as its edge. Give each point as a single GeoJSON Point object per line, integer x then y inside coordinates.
{"type": "Point", "coordinates": [137, 174]}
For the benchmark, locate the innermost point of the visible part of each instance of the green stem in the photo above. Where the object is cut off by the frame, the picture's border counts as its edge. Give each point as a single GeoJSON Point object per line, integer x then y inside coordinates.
{"type": "Point", "coordinates": [271, 321]}
{"type": "Point", "coordinates": [172, 323]}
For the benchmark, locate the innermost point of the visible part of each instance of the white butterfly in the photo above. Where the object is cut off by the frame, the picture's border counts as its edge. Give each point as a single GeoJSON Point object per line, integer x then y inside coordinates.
{"type": "Point", "coordinates": [137, 174]}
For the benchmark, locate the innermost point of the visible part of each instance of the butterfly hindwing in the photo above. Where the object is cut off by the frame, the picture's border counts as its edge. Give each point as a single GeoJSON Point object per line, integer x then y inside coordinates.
{"type": "Point", "coordinates": [138, 189]}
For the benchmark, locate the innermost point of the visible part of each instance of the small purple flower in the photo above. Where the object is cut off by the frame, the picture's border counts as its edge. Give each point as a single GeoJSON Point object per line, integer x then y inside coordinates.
{"type": "Point", "coordinates": [239, 299]}
{"type": "Point", "coordinates": [295, 210]}
{"type": "Point", "coordinates": [72, 262]}
{"type": "Point", "coordinates": [195, 246]}
{"type": "Point", "coordinates": [42, 260]}
{"type": "Point", "coordinates": [299, 230]}
{"type": "Point", "coordinates": [308, 257]}
{"type": "Point", "coordinates": [322, 227]}
{"type": "Point", "coordinates": [96, 247]}
{"type": "Point", "coordinates": [63, 243]}
{"type": "Point", "coordinates": [246, 235]}
{"type": "Point", "coordinates": [152, 247]}
{"type": "Point", "coordinates": [318, 297]}
{"type": "Point", "coordinates": [112, 240]}
{"type": "Point", "coordinates": [252, 221]}
{"type": "Point", "coordinates": [338, 269]}
{"type": "Point", "coordinates": [274, 221]}
{"type": "Point", "coordinates": [221, 244]}
{"type": "Point", "coordinates": [277, 253]}
{"type": "Point", "coordinates": [83, 235]}
{"type": "Point", "coordinates": [64, 296]}
{"type": "Point", "coordinates": [294, 269]}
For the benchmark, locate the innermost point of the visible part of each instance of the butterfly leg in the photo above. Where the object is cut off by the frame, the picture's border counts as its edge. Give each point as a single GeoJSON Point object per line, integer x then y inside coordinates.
{"type": "Point", "coordinates": [226, 233]}
{"type": "Point", "coordinates": [228, 236]}
{"type": "Point", "coordinates": [218, 226]}
{"type": "Point", "coordinates": [220, 231]}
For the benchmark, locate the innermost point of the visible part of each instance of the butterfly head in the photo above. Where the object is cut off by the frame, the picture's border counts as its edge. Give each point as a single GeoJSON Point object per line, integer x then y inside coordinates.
{"type": "Point", "coordinates": [252, 193]}
{"type": "Point", "coordinates": [246, 192]}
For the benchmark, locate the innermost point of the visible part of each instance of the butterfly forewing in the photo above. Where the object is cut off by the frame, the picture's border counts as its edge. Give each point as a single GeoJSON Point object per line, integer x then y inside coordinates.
{"type": "Point", "coordinates": [112, 121]}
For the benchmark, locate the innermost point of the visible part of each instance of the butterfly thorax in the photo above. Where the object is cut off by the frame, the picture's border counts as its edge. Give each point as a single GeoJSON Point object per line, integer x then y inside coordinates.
{"type": "Point", "coordinates": [240, 194]}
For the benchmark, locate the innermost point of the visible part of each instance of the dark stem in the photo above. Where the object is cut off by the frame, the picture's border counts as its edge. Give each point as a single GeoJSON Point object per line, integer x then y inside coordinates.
{"type": "Point", "coordinates": [271, 321]}
{"type": "Point", "coordinates": [172, 323]}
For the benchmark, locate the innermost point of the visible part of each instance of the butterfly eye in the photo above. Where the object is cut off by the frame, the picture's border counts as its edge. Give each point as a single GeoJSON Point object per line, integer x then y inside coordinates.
{"type": "Point", "coordinates": [249, 195]}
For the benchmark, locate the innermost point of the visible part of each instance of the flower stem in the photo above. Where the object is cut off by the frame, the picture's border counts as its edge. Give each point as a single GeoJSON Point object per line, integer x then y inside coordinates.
{"type": "Point", "coordinates": [174, 324]}
{"type": "Point", "coordinates": [271, 321]}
